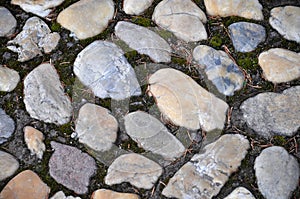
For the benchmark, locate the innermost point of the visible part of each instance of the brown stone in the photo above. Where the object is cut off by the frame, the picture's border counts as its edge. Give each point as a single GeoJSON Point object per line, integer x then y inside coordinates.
{"type": "Point", "coordinates": [108, 194]}
{"type": "Point", "coordinates": [34, 140]}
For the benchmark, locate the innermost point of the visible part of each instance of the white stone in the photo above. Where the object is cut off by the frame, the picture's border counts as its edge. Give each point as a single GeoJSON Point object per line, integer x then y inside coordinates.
{"type": "Point", "coordinates": [136, 7]}
{"type": "Point", "coordinates": [9, 79]}
{"type": "Point", "coordinates": [108, 194]}
{"type": "Point", "coordinates": [240, 193]}
{"type": "Point", "coordinates": [61, 195]}
{"type": "Point", "coordinates": [34, 141]}
{"type": "Point", "coordinates": [8, 22]}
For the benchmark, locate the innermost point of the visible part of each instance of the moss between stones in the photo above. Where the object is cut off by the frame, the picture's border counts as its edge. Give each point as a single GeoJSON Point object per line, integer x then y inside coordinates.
{"type": "Point", "coordinates": [55, 27]}
{"type": "Point", "coordinates": [216, 41]}
{"type": "Point", "coordinates": [142, 21]}
{"type": "Point", "coordinates": [130, 145]}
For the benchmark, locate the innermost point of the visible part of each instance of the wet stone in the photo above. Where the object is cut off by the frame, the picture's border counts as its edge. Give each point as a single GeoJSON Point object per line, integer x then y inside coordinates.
{"type": "Point", "coordinates": [277, 173]}
{"type": "Point", "coordinates": [152, 135]}
{"type": "Point", "coordinates": [207, 172]}
{"type": "Point", "coordinates": [34, 141]}
{"type": "Point", "coordinates": [240, 193]}
{"type": "Point", "coordinates": [184, 102]}
{"type": "Point", "coordinates": [9, 79]}
{"type": "Point", "coordinates": [8, 22]}
{"type": "Point", "coordinates": [103, 67]}
{"type": "Point", "coordinates": [96, 127]}
{"type": "Point", "coordinates": [33, 40]}
{"type": "Point", "coordinates": [286, 21]}
{"type": "Point", "coordinates": [246, 36]}
{"type": "Point", "coordinates": [61, 195]}
{"type": "Point", "coordinates": [91, 17]}
{"type": "Point", "coordinates": [7, 126]}
{"type": "Point", "coordinates": [44, 96]}
{"type": "Point", "coordinates": [271, 114]}
{"type": "Point", "coordinates": [27, 183]}
{"type": "Point", "coordinates": [136, 7]}
{"type": "Point", "coordinates": [108, 194]}
{"type": "Point", "coordinates": [280, 65]}
{"type": "Point", "coordinates": [220, 69]}
{"type": "Point", "coordinates": [183, 18]}
{"type": "Point", "coordinates": [71, 167]}
{"type": "Point", "coordinates": [135, 169]}
{"type": "Point", "coordinates": [144, 41]}
{"type": "Point", "coordinates": [8, 165]}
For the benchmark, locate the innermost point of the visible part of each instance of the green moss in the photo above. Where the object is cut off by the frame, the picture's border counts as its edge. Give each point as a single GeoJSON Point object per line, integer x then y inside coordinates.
{"type": "Point", "coordinates": [55, 27]}
{"type": "Point", "coordinates": [65, 129]}
{"type": "Point", "coordinates": [279, 140]}
{"type": "Point", "coordinates": [131, 55]}
{"type": "Point", "coordinates": [216, 41]}
{"type": "Point", "coordinates": [233, 19]}
{"type": "Point", "coordinates": [165, 34]}
{"type": "Point", "coordinates": [248, 61]}
{"type": "Point", "coordinates": [178, 60]}
{"type": "Point", "coordinates": [142, 21]}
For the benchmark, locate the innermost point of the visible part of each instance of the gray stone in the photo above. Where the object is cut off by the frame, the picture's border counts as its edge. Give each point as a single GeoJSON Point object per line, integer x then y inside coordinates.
{"type": "Point", "coordinates": [271, 114]}
{"type": "Point", "coordinates": [44, 96]}
{"type": "Point", "coordinates": [7, 126]}
{"type": "Point", "coordinates": [246, 36]}
{"type": "Point", "coordinates": [8, 165]}
{"type": "Point", "coordinates": [286, 21]}
{"type": "Point", "coordinates": [144, 41]}
{"type": "Point", "coordinates": [183, 18]}
{"type": "Point", "coordinates": [152, 135]}
{"type": "Point", "coordinates": [34, 141]}
{"type": "Point", "coordinates": [277, 173]}
{"type": "Point", "coordinates": [35, 38]}
{"type": "Point", "coordinates": [206, 173]}
{"type": "Point", "coordinates": [8, 22]}
{"type": "Point", "coordinates": [240, 193]}
{"type": "Point", "coordinates": [87, 18]}
{"type": "Point", "coordinates": [220, 69]}
{"type": "Point", "coordinates": [103, 68]}
{"type": "Point", "coordinates": [136, 7]}
{"type": "Point", "coordinates": [71, 167]}
{"type": "Point", "coordinates": [9, 79]}
{"type": "Point", "coordinates": [61, 195]}
{"type": "Point", "coordinates": [96, 127]}
{"type": "Point", "coordinates": [135, 169]}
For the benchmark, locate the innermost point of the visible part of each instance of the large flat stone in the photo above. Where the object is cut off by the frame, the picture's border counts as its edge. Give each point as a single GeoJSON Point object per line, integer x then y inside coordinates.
{"type": "Point", "coordinates": [8, 22]}
{"type": "Point", "coordinates": [9, 79]}
{"type": "Point", "coordinates": [8, 165]}
{"type": "Point", "coordinates": [7, 126]}
{"type": "Point", "coordinates": [136, 7]}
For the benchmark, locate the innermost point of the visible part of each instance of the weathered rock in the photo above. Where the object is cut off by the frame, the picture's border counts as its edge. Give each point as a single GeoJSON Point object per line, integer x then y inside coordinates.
{"type": "Point", "coordinates": [280, 65]}
{"type": "Point", "coordinates": [41, 8]}
{"type": "Point", "coordinates": [277, 173]}
{"type": "Point", "coordinates": [7, 126]}
{"type": "Point", "coordinates": [135, 169]}
{"type": "Point", "coordinates": [61, 195]}
{"type": "Point", "coordinates": [102, 67]}
{"type": "Point", "coordinates": [25, 184]}
{"type": "Point", "coordinates": [136, 7]}
{"type": "Point", "coordinates": [44, 96]}
{"type": "Point", "coordinates": [71, 167]}
{"type": "Point", "coordinates": [185, 102]}
{"type": "Point", "coordinates": [220, 69]}
{"type": "Point", "coordinates": [152, 135]}
{"type": "Point", "coordinates": [271, 114]}
{"type": "Point", "coordinates": [240, 193]}
{"type": "Point", "coordinates": [183, 18]}
{"type": "Point", "coordinates": [34, 140]}
{"type": "Point", "coordinates": [9, 79]}
{"type": "Point", "coordinates": [8, 165]}
{"type": "Point", "coordinates": [246, 36]}
{"type": "Point", "coordinates": [91, 17]}
{"type": "Point", "coordinates": [8, 22]}
{"type": "Point", "coordinates": [250, 9]}
{"type": "Point", "coordinates": [206, 173]}
{"type": "Point", "coordinates": [286, 21]}
{"type": "Point", "coordinates": [35, 38]}
{"type": "Point", "coordinates": [108, 194]}
{"type": "Point", "coordinates": [96, 127]}
{"type": "Point", "coordinates": [144, 41]}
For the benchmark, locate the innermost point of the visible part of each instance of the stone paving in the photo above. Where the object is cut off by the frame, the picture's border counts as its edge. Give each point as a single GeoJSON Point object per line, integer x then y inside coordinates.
{"type": "Point", "coordinates": [149, 99]}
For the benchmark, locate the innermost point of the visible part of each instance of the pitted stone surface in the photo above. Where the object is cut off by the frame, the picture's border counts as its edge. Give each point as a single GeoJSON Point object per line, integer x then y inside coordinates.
{"type": "Point", "coordinates": [8, 22]}
{"type": "Point", "coordinates": [7, 126]}
{"type": "Point", "coordinates": [136, 7]}
{"type": "Point", "coordinates": [240, 193]}
{"type": "Point", "coordinates": [108, 194]}
{"type": "Point", "coordinates": [9, 79]}
{"type": "Point", "coordinates": [34, 141]}
{"type": "Point", "coordinates": [8, 165]}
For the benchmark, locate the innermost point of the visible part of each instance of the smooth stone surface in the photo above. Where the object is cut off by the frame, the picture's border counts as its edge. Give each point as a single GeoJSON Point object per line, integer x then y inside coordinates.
{"type": "Point", "coordinates": [250, 9]}
{"type": "Point", "coordinates": [7, 126]}
{"type": "Point", "coordinates": [35, 38]}
{"type": "Point", "coordinates": [135, 169]}
{"type": "Point", "coordinates": [9, 79]}
{"type": "Point", "coordinates": [152, 135]}
{"type": "Point", "coordinates": [144, 41]}
{"type": "Point", "coordinates": [87, 18]}
{"type": "Point", "coordinates": [207, 172]}
{"type": "Point", "coordinates": [8, 165]}
{"type": "Point", "coordinates": [27, 183]}
{"type": "Point", "coordinates": [96, 127]}
{"type": "Point", "coordinates": [277, 173]}
{"type": "Point", "coordinates": [220, 69]}
{"type": "Point", "coordinates": [183, 18]}
{"type": "Point", "coordinates": [71, 167]}
{"type": "Point", "coordinates": [8, 22]}
{"type": "Point", "coordinates": [136, 7]}
{"type": "Point", "coordinates": [103, 68]}
{"type": "Point", "coordinates": [44, 96]}
{"type": "Point", "coordinates": [108, 194]}
{"type": "Point", "coordinates": [61, 195]}
{"type": "Point", "coordinates": [41, 8]}
{"type": "Point", "coordinates": [34, 141]}
{"type": "Point", "coordinates": [280, 65]}
{"type": "Point", "coordinates": [286, 20]}
{"type": "Point", "coordinates": [246, 36]}
{"type": "Point", "coordinates": [271, 114]}
{"type": "Point", "coordinates": [186, 103]}
{"type": "Point", "coordinates": [240, 193]}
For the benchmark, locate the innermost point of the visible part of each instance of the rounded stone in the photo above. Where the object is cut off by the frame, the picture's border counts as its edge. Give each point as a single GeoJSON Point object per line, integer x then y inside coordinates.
{"type": "Point", "coordinates": [8, 165]}
{"type": "Point", "coordinates": [9, 79]}
{"type": "Point", "coordinates": [7, 126]}
{"type": "Point", "coordinates": [8, 22]}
